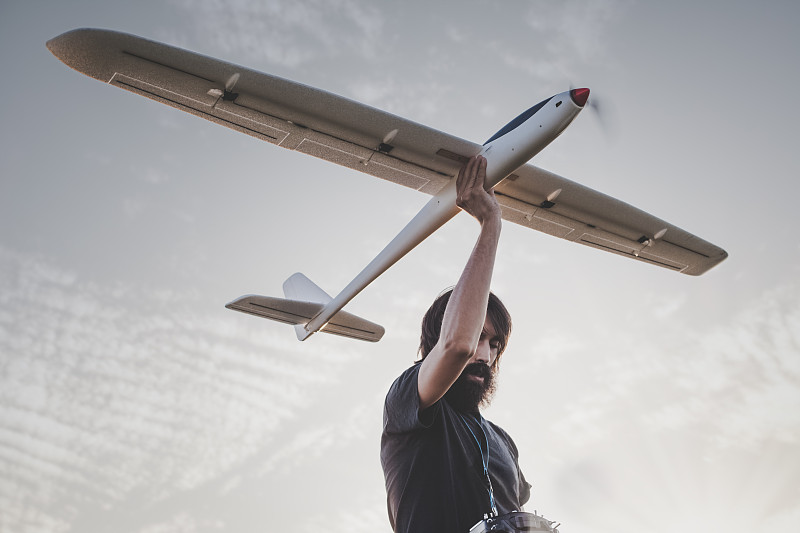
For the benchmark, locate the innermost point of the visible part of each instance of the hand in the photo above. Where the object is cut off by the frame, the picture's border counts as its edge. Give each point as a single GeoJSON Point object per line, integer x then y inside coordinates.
{"type": "Point", "coordinates": [471, 194]}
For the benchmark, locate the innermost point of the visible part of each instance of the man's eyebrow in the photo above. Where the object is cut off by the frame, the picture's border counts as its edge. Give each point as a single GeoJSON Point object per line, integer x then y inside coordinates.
{"type": "Point", "coordinates": [485, 333]}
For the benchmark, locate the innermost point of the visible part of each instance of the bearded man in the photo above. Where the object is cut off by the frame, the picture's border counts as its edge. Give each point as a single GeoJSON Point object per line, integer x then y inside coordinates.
{"type": "Point", "coordinates": [445, 466]}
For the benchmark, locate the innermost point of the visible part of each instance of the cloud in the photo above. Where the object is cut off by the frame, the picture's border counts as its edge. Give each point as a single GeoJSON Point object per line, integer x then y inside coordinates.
{"type": "Point", "coordinates": [111, 393]}
{"type": "Point", "coordinates": [749, 376]}
{"type": "Point", "coordinates": [575, 29]}
{"type": "Point", "coordinates": [704, 421]}
{"type": "Point", "coordinates": [286, 32]}
{"type": "Point", "coordinates": [739, 381]}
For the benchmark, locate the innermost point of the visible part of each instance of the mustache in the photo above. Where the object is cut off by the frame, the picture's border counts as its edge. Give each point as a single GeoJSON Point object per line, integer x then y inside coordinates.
{"type": "Point", "coordinates": [478, 369]}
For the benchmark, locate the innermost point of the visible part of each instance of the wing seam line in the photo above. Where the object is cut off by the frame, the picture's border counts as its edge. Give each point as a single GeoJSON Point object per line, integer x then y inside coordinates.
{"type": "Point", "coordinates": [185, 107]}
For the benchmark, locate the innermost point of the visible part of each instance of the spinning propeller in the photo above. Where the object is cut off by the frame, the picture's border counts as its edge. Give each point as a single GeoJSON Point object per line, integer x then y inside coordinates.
{"type": "Point", "coordinates": [599, 108]}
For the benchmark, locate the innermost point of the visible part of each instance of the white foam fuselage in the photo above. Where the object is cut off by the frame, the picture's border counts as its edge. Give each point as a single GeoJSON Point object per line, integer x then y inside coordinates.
{"type": "Point", "coordinates": [503, 154]}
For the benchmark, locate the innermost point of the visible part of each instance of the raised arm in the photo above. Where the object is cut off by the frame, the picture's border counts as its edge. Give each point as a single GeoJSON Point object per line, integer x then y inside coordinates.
{"type": "Point", "coordinates": [466, 311]}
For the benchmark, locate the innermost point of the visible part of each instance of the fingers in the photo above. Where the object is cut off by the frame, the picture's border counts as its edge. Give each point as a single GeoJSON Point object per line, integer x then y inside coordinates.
{"type": "Point", "coordinates": [471, 193]}
{"type": "Point", "coordinates": [470, 177]}
{"type": "Point", "coordinates": [481, 176]}
{"type": "Point", "coordinates": [462, 180]}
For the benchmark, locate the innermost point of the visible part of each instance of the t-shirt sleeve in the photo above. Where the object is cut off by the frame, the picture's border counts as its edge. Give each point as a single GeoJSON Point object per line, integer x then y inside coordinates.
{"type": "Point", "coordinates": [524, 489]}
{"type": "Point", "coordinates": [401, 411]}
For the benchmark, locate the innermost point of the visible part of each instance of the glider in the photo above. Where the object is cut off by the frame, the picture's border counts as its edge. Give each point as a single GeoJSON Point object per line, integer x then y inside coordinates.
{"type": "Point", "coordinates": [294, 116]}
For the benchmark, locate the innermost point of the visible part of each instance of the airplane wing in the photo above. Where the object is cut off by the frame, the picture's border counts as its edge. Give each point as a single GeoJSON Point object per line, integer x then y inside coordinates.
{"type": "Point", "coordinates": [583, 215]}
{"type": "Point", "coordinates": [360, 137]}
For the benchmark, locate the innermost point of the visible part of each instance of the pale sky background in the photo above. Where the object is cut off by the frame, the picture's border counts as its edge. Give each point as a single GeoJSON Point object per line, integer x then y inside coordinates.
{"type": "Point", "coordinates": [641, 400]}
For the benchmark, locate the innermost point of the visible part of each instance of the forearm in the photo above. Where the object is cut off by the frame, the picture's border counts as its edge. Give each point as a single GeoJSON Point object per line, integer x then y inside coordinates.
{"type": "Point", "coordinates": [466, 311]}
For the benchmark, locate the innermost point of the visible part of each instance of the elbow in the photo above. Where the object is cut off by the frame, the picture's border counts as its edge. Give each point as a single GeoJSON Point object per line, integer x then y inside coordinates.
{"type": "Point", "coordinates": [458, 350]}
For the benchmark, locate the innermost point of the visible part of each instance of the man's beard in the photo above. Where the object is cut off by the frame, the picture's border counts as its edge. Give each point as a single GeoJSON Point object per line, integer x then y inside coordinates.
{"type": "Point", "coordinates": [466, 394]}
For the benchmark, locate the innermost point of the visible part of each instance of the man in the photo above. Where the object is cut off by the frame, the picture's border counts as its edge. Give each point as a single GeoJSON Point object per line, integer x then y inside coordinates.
{"type": "Point", "coordinates": [445, 465]}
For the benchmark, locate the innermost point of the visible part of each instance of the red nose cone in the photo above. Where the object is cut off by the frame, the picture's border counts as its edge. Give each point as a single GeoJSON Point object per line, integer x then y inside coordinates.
{"type": "Point", "coordinates": [579, 96]}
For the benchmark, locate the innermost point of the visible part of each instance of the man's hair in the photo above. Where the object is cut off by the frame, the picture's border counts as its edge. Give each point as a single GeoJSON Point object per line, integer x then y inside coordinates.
{"type": "Point", "coordinates": [432, 323]}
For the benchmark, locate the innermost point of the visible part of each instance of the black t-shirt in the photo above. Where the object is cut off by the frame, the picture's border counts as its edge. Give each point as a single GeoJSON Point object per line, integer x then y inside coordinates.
{"type": "Point", "coordinates": [433, 466]}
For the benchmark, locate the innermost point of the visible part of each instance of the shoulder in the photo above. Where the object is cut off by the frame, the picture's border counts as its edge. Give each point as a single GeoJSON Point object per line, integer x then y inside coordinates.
{"type": "Point", "coordinates": [405, 381]}
{"type": "Point", "coordinates": [401, 411]}
{"type": "Point", "coordinates": [409, 372]}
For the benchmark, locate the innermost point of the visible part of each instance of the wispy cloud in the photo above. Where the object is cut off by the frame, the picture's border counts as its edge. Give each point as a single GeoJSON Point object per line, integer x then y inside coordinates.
{"type": "Point", "coordinates": [285, 32]}
{"type": "Point", "coordinates": [108, 390]}
{"type": "Point", "coordinates": [739, 381]}
{"type": "Point", "coordinates": [573, 29]}
{"type": "Point", "coordinates": [702, 418]}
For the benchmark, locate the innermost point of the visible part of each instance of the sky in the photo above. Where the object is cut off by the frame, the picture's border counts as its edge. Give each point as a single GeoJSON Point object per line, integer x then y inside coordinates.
{"type": "Point", "coordinates": [640, 399]}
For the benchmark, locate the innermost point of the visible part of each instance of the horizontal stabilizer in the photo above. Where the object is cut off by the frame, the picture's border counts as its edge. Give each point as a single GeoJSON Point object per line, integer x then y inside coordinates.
{"type": "Point", "coordinates": [299, 313]}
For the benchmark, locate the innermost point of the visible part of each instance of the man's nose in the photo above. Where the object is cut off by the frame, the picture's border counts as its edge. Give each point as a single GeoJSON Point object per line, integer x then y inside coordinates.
{"type": "Point", "coordinates": [483, 352]}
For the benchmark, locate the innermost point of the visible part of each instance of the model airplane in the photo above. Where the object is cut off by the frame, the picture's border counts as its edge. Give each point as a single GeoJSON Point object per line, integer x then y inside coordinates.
{"type": "Point", "coordinates": [318, 123]}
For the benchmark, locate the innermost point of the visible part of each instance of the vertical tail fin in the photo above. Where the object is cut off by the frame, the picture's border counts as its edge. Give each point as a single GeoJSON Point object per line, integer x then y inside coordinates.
{"type": "Point", "coordinates": [299, 287]}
